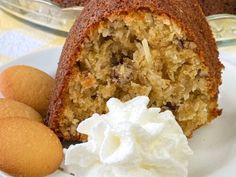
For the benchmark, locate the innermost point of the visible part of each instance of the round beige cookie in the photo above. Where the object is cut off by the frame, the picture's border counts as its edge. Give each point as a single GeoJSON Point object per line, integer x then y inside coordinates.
{"type": "Point", "coordinates": [27, 85]}
{"type": "Point", "coordinates": [11, 108]}
{"type": "Point", "coordinates": [28, 148]}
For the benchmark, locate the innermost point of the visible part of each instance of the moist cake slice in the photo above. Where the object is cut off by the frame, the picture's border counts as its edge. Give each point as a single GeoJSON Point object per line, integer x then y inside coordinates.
{"type": "Point", "coordinates": [163, 49]}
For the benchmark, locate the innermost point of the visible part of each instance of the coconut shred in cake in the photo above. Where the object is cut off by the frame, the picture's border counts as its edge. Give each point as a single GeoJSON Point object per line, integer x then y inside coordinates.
{"type": "Point", "coordinates": [130, 140]}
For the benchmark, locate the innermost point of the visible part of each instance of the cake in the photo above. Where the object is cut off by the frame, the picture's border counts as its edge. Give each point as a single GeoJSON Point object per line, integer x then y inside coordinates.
{"type": "Point", "coordinates": [125, 48]}
{"type": "Point", "coordinates": [211, 7]}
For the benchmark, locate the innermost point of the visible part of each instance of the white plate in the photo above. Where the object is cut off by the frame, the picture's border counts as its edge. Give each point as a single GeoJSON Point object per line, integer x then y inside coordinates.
{"type": "Point", "coordinates": [214, 145]}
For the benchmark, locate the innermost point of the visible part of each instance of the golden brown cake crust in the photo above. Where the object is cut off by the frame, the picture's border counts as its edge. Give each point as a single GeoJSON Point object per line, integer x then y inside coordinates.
{"type": "Point", "coordinates": [187, 14]}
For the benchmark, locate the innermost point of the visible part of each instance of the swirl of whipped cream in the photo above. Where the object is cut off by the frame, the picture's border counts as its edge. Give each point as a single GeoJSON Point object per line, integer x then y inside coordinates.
{"type": "Point", "coordinates": [130, 140]}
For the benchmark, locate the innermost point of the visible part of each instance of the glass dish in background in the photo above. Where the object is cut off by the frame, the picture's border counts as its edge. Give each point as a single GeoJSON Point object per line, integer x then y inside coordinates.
{"type": "Point", "coordinates": [42, 12]}
{"type": "Point", "coordinates": [224, 28]}
{"type": "Point", "coordinates": [49, 15]}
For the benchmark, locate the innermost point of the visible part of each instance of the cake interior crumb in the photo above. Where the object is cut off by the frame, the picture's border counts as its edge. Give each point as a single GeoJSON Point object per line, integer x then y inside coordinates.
{"type": "Point", "coordinates": [138, 54]}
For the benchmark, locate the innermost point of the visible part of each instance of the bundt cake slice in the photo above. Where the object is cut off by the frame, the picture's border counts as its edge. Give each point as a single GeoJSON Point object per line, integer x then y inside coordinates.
{"type": "Point", "coordinates": [163, 49]}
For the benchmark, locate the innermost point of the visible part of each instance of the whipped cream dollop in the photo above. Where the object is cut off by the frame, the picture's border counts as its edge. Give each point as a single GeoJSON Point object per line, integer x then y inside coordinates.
{"type": "Point", "coordinates": [130, 140]}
